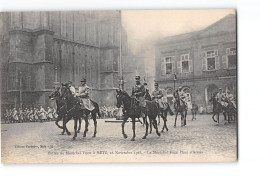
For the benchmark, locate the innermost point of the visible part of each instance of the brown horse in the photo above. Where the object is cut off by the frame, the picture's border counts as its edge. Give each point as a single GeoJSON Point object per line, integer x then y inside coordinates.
{"type": "Point", "coordinates": [133, 110]}
{"type": "Point", "coordinates": [180, 107]}
{"type": "Point", "coordinates": [74, 111]}
{"type": "Point", "coordinates": [61, 109]}
{"type": "Point", "coordinates": [217, 108]}
{"type": "Point", "coordinates": [162, 112]}
{"type": "Point", "coordinates": [194, 111]}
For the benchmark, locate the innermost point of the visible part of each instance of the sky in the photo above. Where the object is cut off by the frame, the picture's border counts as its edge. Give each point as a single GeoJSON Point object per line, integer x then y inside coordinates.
{"type": "Point", "coordinates": [144, 27]}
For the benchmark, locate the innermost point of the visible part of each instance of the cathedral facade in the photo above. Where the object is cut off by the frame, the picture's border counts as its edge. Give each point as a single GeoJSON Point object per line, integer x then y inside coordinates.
{"type": "Point", "coordinates": [40, 50]}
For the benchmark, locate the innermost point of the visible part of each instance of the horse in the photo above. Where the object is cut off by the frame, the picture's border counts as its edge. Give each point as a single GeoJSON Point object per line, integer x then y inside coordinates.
{"type": "Point", "coordinates": [163, 113]}
{"type": "Point", "coordinates": [217, 108]}
{"type": "Point", "coordinates": [61, 109]}
{"type": "Point", "coordinates": [133, 110]}
{"type": "Point", "coordinates": [180, 107]}
{"type": "Point", "coordinates": [194, 111]}
{"type": "Point", "coordinates": [230, 110]}
{"type": "Point", "coordinates": [74, 110]}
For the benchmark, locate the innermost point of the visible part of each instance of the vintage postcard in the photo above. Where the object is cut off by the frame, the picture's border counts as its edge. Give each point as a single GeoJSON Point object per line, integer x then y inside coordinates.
{"type": "Point", "coordinates": [119, 86]}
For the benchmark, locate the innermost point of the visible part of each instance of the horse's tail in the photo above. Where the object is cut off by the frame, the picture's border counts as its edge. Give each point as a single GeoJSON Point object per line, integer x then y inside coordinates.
{"type": "Point", "coordinates": [97, 108]}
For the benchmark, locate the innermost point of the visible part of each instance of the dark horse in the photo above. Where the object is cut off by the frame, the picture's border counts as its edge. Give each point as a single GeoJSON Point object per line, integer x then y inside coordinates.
{"type": "Point", "coordinates": [162, 112]}
{"type": "Point", "coordinates": [133, 110]}
{"type": "Point", "coordinates": [194, 110]}
{"type": "Point", "coordinates": [74, 111]}
{"type": "Point", "coordinates": [217, 108]}
{"type": "Point", "coordinates": [180, 107]}
{"type": "Point", "coordinates": [61, 109]}
{"type": "Point", "coordinates": [231, 111]}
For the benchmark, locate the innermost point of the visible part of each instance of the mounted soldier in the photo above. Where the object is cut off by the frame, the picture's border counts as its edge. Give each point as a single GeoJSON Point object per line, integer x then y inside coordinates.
{"type": "Point", "coordinates": [138, 92]}
{"type": "Point", "coordinates": [230, 97]}
{"type": "Point", "coordinates": [147, 95]}
{"type": "Point", "coordinates": [72, 88]}
{"type": "Point", "coordinates": [83, 94]}
{"type": "Point", "coordinates": [220, 97]}
{"type": "Point", "coordinates": [157, 95]}
{"type": "Point", "coordinates": [181, 96]}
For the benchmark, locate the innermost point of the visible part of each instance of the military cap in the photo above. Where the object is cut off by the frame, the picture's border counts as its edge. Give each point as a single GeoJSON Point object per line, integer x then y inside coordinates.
{"type": "Point", "coordinates": [83, 80]}
{"type": "Point", "coordinates": [137, 77]}
{"type": "Point", "coordinates": [145, 83]}
{"type": "Point", "coordinates": [156, 84]}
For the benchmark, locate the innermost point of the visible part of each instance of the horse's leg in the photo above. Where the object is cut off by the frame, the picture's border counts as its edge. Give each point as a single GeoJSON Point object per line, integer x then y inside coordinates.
{"type": "Point", "coordinates": [144, 121]}
{"type": "Point", "coordinates": [58, 119]}
{"type": "Point", "coordinates": [123, 126]}
{"type": "Point", "coordinates": [175, 118]}
{"type": "Point", "coordinates": [146, 128]}
{"type": "Point", "coordinates": [65, 125]}
{"type": "Point", "coordinates": [182, 119]}
{"type": "Point", "coordinates": [151, 128]}
{"type": "Point", "coordinates": [159, 119]}
{"type": "Point", "coordinates": [213, 117]}
{"type": "Point", "coordinates": [86, 122]}
{"type": "Point", "coordinates": [165, 122]}
{"type": "Point", "coordinates": [133, 128]}
{"type": "Point", "coordinates": [80, 120]}
{"type": "Point", "coordinates": [218, 117]}
{"type": "Point", "coordinates": [75, 128]}
{"type": "Point", "coordinates": [94, 117]}
{"type": "Point", "coordinates": [155, 126]}
{"type": "Point", "coordinates": [185, 116]}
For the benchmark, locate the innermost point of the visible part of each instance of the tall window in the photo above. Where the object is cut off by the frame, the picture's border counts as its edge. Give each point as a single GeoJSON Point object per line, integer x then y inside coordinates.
{"type": "Point", "coordinates": [185, 64]}
{"type": "Point", "coordinates": [167, 65]}
{"type": "Point", "coordinates": [210, 60]}
{"type": "Point", "coordinates": [231, 57]}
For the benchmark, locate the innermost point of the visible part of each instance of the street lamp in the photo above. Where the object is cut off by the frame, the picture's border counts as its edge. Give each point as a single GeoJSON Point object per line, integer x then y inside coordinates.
{"type": "Point", "coordinates": [56, 77]}
{"type": "Point", "coordinates": [121, 83]}
{"type": "Point", "coordinates": [21, 91]}
{"type": "Point", "coordinates": [174, 80]}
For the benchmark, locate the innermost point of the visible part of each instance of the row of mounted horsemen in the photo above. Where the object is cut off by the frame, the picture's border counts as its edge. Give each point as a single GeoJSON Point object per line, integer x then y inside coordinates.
{"type": "Point", "coordinates": [75, 105]}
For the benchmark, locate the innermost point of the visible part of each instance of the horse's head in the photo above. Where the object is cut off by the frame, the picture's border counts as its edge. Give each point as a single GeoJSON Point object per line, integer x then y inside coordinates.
{"type": "Point", "coordinates": [65, 91]}
{"type": "Point", "coordinates": [119, 98]}
{"type": "Point", "coordinates": [55, 94]}
{"type": "Point", "coordinates": [213, 98]}
{"type": "Point", "coordinates": [122, 97]}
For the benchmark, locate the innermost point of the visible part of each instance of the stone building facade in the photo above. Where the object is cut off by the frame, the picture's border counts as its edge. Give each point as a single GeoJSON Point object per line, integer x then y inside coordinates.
{"type": "Point", "coordinates": [41, 49]}
{"type": "Point", "coordinates": [203, 61]}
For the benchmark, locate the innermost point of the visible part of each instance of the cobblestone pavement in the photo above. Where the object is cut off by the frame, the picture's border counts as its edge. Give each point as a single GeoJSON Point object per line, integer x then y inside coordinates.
{"type": "Point", "coordinates": [201, 140]}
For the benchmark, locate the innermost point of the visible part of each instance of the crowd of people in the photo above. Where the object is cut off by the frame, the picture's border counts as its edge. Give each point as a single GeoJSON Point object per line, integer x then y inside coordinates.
{"type": "Point", "coordinates": [110, 112]}
{"type": "Point", "coordinates": [30, 114]}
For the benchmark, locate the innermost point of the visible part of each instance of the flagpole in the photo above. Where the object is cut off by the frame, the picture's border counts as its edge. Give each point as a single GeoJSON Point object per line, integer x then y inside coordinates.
{"type": "Point", "coordinates": [121, 79]}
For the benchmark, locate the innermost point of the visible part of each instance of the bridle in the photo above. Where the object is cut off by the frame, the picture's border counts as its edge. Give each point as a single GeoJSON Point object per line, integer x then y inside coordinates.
{"type": "Point", "coordinates": [64, 97]}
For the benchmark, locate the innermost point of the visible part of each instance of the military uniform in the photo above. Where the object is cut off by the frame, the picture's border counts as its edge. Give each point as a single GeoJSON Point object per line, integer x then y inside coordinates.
{"type": "Point", "coordinates": [220, 97]}
{"type": "Point", "coordinates": [231, 98]}
{"type": "Point", "coordinates": [84, 97]}
{"type": "Point", "coordinates": [72, 89]}
{"type": "Point", "coordinates": [138, 91]}
{"type": "Point", "coordinates": [15, 115]}
{"type": "Point", "coordinates": [42, 113]}
{"type": "Point", "coordinates": [158, 95]}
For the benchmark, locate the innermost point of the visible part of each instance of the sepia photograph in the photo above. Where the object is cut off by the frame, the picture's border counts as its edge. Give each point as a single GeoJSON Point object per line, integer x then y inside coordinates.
{"type": "Point", "coordinates": [117, 86]}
